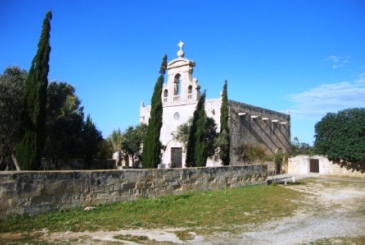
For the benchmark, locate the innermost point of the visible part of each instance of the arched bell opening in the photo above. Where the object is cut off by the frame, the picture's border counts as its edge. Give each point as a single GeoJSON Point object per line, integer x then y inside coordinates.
{"type": "Point", "coordinates": [177, 84]}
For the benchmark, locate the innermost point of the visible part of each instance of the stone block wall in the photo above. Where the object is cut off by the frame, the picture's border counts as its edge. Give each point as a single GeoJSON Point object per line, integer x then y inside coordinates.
{"type": "Point", "coordinates": [34, 192]}
{"type": "Point", "coordinates": [300, 165]}
{"type": "Point", "coordinates": [258, 126]}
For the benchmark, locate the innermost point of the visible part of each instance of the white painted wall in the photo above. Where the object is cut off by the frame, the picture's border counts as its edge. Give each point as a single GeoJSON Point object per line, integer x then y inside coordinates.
{"type": "Point", "coordinates": [300, 165]}
{"type": "Point", "coordinates": [178, 109]}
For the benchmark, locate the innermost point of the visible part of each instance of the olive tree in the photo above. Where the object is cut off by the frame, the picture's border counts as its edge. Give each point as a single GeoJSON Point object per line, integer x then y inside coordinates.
{"type": "Point", "coordinates": [132, 140]}
{"type": "Point", "coordinates": [12, 83]}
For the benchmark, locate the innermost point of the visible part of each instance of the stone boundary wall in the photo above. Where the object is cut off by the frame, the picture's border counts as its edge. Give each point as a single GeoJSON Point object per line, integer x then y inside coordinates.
{"type": "Point", "coordinates": [300, 165]}
{"type": "Point", "coordinates": [34, 192]}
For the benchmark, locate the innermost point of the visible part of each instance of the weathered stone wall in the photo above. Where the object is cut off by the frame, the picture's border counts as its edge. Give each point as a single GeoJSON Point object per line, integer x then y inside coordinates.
{"type": "Point", "coordinates": [33, 192]}
{"type": "Point", "coordinates": [300, 165]}
{"type": "Point", "coordinates": [254, 125]}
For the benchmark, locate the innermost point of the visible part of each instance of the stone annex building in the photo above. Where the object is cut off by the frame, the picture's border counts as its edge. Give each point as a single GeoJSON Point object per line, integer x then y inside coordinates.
{"type": "Point", "coordinates": [247, 123]}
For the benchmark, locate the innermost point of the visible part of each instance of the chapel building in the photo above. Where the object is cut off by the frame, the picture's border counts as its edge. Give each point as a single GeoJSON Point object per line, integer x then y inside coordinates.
{"type": "Point", "coordinates": [247, 124]}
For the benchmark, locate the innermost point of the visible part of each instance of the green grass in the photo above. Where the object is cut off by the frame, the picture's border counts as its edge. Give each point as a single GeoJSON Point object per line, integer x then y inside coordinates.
{"type": "Point", "coordinates": [208, 211]}
{"type": "Point", "coordinates": [131, 238]}
{"type": "Point", "coordinates": [139, 240]}
{"type": "Point", "coordinates": [184, 235]}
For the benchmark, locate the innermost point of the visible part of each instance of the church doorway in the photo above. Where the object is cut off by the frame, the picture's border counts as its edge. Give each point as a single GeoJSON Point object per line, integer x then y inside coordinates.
{"type": "Point", "coordinates": [176, 157]}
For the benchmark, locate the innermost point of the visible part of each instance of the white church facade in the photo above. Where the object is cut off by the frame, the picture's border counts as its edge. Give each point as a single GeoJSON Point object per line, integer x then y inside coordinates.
{"type": "Point", "coordinates": [180, 95]}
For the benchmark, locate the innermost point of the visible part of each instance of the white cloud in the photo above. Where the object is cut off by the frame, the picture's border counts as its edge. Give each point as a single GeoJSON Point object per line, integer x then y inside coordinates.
{"type": "Point", "coordinates": [337, 61]}
{"type": "Point", "coordinates": [316, 102]}
{"type": "Point", "coordinates": [333, 58]}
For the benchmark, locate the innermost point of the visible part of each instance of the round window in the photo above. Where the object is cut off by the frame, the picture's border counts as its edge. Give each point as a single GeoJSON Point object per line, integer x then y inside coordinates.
{"type": "Point", "coordinates": [176, 116]}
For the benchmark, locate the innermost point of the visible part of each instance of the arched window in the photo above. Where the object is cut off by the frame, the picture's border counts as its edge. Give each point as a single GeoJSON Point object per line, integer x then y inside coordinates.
{"type": "Point", "coordinates": [190, 89]}
{"type": "Point", "coordinates": [165, 93]}
{"type": "Point", "coordinates": [177, 84]}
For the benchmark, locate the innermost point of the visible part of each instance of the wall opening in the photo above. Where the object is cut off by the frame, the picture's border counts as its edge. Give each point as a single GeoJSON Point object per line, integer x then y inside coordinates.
{"type": "Point", "coordinates": [314, 165]}
{"type": "Point", "coordinates": [177, 84]}
{"type": "Point", "coordinates": [176, 157]}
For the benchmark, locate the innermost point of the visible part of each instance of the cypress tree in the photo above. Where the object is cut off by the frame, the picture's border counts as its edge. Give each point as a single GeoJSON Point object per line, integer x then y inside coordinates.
{"type": "Point", "coordinates": [92, 139]}
{"type": "Point", "coordinates": [196, 155]}
{"type": "Point", "coordinates": [224, 132]}
{"type": "Point", "coordinates": [30, 149]}
{"type": "Point", "coordinates": [152, 145]}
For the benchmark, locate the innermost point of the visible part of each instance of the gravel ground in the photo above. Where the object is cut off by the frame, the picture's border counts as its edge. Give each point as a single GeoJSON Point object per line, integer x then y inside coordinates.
{"type": "Point", "coordinates": [331, 210]}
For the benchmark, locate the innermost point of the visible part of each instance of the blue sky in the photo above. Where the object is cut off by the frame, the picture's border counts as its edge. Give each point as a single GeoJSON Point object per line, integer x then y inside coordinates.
{"type": "Point", "coordinates": [307, 57]}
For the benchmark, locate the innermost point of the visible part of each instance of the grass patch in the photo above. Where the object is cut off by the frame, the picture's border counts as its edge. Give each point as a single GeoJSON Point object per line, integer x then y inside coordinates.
{"type": "Point", "coordinates": [131, 238]}
{"type": "Point", "coordinates": [209, 211]}
{"type": "Point", "coordinates": [184, 235]}
{"type": "Point", "coordinates": [17, 238]}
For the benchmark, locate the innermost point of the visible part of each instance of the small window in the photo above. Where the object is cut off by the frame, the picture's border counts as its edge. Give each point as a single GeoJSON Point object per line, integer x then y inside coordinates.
{"type": "Point", "coordinates": [165, 93]}
{"type": "Point", "coordinates": [190, 89]}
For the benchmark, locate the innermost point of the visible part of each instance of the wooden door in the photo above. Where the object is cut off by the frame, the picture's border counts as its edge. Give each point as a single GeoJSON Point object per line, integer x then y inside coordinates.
{"type": "Point", "coordinates": [313, 165]}
{"type": "Point", "coordinates": [176, 157]}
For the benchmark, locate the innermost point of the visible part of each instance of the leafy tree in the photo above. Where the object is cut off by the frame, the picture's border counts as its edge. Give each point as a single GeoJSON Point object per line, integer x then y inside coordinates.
{"type": "Point", "coordinates": [62, 100]}
{"type": "Point", "coordinates": [69, 136]}
{"type": "Point", "coordinates": [105, 150]}
{"type": "Point", "coordinates": [278, 158]}
{"type": "Point", "coordinates": [92, 139]}
{"type": "Point", "coordinates": [223, 141]}
{"type": "Point", "coordinates": [298, 148]}
{"type": "Point", "coordinates": [116, 139]}
{"type": "Point", "coordinates": [249, 153]}
{"type": "Point", "coordinates": [132, 140]}
{"type": "Point", "coordinates": [210, 133]}
{"type": "Point", "coordinates": [196, 155]}
{"type": "Point", "coordinates": [65, 141]}
{"type": "Point", "coordinates": [182, 132]}
{"type": "Point", "coordinates": [65, 122]}
{"type": "Point", "coordinates": [12, 83]}
{"type": "Point", "coordinates": [29, 151]}
{"type": "Point", "coordinates": [152, 145]}
{"type": "Point", "coordinates": [341, 137]}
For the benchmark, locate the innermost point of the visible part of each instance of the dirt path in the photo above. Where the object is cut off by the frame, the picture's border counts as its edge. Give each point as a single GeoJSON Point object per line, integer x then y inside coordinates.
{"type": "Point", "coordinates": [333, 210]}
{"type": "Point", "coordinates": [335, 207]}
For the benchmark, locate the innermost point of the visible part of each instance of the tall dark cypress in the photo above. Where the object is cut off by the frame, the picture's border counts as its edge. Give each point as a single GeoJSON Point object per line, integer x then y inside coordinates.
{"type": "Point", "coordinates": [152, 145]}
{"type": "Point", "coordinates": [92, 139]}
{"type": "Point", "coordinates": [30, 149]}
{"type": "Point", "coordinates": [196, 155]}
{"type": "Point", "coordinates": [224, 153]}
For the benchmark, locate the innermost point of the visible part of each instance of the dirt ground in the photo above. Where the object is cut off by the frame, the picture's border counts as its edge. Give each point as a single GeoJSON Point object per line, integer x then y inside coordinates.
{"type": "Point", "coordinates": [334, 208]}
{"type": "Point", "coordinates": [332, 212]}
